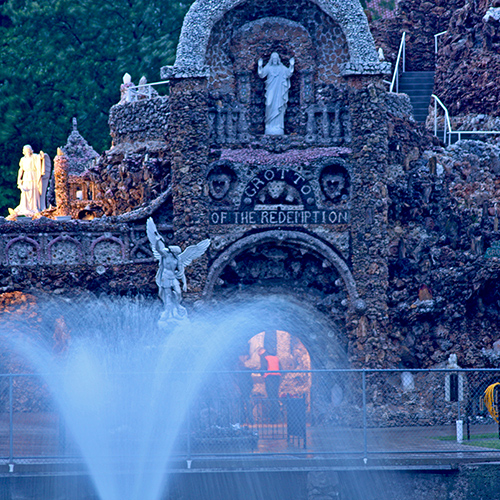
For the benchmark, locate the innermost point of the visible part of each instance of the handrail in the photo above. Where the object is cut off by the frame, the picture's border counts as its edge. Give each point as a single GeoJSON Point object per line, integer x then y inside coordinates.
{"type": "Point", "coordinates": [133, 90]}
{"type": "Point", "coordinates": [436, 40]}
{"type": "Point", "coordinates": [401, 52]}
{"type": "Point", "coordinates": [448, 131]}
{"type": "Point", "coordinates": [447, 122]}
{"type": "Point", "coordinates": [475, 132]}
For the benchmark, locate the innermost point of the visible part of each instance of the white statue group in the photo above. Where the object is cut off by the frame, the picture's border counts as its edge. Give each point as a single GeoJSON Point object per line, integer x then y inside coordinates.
{"type": "Point", "coordinates": [132, 93]}
{"type": "Point", "coordinates": [32, 181]}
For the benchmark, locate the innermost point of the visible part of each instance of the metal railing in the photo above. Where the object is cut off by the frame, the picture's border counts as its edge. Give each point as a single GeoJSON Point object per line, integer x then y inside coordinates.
{"type": "Point", "coordinates": [135, 93]}
{"type": "Point", "coordinates": [401, 58]}
{"type": "Point", "coordinates": [359, 413]}
{"type": "Point", "coordinates": [448, 132]}
{"type": "Point", "coordinates": [447, 123]}
{"type": "Point", "coordinates": [436, 36]}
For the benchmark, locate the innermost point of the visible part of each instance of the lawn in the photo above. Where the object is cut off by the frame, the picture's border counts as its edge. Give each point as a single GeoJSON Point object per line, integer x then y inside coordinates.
{"type": "Point", "coordinates": [482, 440]}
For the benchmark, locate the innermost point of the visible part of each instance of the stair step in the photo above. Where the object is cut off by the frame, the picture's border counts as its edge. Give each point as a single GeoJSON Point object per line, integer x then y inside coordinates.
{"type": "Point", "coordinates": [404, 78]}
{"type": "Point", "coordinates": [406, 85]}
{"type": "Point", "coordinates": [421, 100]}
{"type": "Point", "coordinates": [416, 93]}
{"type": "Point", "coordinates": [416, 84]}
{"type": "Point", "coordinates": [418, 73]}
{"type": "Point", "coordinates": [416, 88]}
{"type": "Point", "coordinates": [410, 74]}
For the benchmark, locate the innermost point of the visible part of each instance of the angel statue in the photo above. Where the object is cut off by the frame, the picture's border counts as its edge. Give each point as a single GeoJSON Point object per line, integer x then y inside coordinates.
{"type": "Point", "coordinates": [172, 263]}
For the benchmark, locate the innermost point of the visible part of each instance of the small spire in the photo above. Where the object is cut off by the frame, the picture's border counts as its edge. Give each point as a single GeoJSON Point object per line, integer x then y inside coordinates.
{"type": "Point", "coordinates": [74, 125]}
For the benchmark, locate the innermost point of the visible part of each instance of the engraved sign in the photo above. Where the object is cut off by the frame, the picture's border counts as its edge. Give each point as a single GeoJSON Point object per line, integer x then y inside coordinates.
{"type": "Point", "coordinates": [279, 217]}
{"type": "Point", "coordinates": [278, 196]}
{"type": "Point", "coordinates": [276, 187]}
{"type": "Point", "coordinates": [493, 251]}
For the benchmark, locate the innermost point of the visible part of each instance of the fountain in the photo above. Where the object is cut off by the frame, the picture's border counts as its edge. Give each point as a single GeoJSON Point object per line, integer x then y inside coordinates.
{"type": "Point", "coordinates": [125, 384]}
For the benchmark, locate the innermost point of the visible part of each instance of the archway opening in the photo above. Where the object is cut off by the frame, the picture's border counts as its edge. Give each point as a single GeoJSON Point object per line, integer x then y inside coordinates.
{"type": "Point", "coordinates": [293, 358]}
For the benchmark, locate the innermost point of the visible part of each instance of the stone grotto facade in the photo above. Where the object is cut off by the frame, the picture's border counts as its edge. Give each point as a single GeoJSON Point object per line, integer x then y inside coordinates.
{"type": "Point", "coordinates": [356, 212]}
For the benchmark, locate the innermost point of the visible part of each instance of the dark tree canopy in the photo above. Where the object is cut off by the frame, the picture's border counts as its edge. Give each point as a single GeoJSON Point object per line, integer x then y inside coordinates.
{"type": "Point", "coordinates": [66, 58]}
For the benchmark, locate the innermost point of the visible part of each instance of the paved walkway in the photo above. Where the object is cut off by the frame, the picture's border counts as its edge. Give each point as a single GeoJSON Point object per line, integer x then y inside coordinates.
{"type": "Point", "coordinates": [40, 436]}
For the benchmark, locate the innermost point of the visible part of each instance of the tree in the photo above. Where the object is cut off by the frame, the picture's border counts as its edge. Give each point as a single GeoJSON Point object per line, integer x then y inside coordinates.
{"type": "Point", "coordinates": [66, 58]}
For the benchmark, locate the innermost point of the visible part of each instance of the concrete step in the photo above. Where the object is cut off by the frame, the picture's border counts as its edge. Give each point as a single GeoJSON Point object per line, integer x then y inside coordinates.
{"type": "Point", "coordinates": [417, 74]}
{"type": "Point", "coordinates": [416, 88]}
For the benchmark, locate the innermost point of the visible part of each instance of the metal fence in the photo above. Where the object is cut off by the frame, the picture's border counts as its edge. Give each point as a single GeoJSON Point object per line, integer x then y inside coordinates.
{"type": "Point", "coordinates": [319, 412]}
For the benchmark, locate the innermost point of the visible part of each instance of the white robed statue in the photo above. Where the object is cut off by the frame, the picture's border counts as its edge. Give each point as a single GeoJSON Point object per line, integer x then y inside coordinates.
{"type": "Point", "coordinates": [277, 86]}
{"type": "Point", "coordinates": [171, 270]}
{"type": "Point", "coordinates": [30, 180]}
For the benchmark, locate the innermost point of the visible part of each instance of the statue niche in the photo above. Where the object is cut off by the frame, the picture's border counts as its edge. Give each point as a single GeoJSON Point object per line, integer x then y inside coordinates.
{"type": "Point", "coordinates": [284, 47]}
{"type": "Point", "coordinates": [242, 109]}
{"type": "Point", "coordinates": [334, 182]}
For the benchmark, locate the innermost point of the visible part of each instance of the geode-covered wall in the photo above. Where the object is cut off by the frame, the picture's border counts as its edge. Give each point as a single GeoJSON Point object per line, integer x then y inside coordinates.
{"type": "Point", "coordinates": [355, 210]}
{"type": "Point", "coordinates": [266, 200]}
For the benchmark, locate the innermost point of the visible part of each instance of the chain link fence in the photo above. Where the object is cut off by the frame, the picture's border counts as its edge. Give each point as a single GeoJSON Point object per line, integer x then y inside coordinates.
{"type": "Point", "coordinates": [322, 412]}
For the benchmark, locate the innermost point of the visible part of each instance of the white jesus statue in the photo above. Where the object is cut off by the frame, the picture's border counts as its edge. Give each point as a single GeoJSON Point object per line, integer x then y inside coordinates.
{"type": "Point", "coordinates": [277, 86]}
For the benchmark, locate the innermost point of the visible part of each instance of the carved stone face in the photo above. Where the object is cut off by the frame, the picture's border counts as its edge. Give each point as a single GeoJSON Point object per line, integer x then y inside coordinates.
{"type": "Point", "coordinates": [218, 185]}
{"type": "Point", "coordinates": [332, 185]}
{"type": "Point", "coordinates": [276, 189]}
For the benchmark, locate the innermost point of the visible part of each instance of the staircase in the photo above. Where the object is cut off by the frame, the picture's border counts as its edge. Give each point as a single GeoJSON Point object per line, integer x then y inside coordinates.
{"type": "Point", "coordinates": [418, 85]}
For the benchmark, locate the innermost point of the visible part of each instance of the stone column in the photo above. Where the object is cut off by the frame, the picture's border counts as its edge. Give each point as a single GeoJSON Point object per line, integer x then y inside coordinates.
{"type": "Point", "coordinates": [62, 183]}
{"type": "Point", "coordinates": [188, 137]}
{"type": "Point", "coordinates": [369, 224]}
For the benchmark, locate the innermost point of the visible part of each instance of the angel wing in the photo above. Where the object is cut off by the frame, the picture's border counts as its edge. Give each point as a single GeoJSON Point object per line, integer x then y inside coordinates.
{"type": "Point", "coordinates": [193, 252]}
{"type": "Point", "coordinates": [153, 236]}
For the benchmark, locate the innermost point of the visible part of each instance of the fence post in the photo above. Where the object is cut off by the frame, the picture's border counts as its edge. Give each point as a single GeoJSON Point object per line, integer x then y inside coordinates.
{"type": "Point", "coordinates": [365, 436]}
{"type": "Point", "coordinates": [189, 437]}
{"type": "Point", "coordinates": [435, 117]}
{"type": "Point", "coordinates": [404, 55]}
{"type": "Point", "coordinates": [11, 420]}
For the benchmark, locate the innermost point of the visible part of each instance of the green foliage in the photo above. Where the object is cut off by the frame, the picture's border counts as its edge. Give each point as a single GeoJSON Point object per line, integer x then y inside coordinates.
{"type": "Point", "coordinates": [65, 58]}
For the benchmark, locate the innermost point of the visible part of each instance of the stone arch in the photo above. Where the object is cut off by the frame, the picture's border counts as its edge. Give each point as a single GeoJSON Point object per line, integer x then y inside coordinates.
{"type": "Point", "coordinates": [302, 285]}
{"type": "Point", "coordinates": [108, 250]}
{"type": "Point", "coordinates": [292, 238]}
{"type": "Point", "coordinates": [23, 251]}
{"type": "Point", "coordinates": [203, 14]}
{"type": "Point", "coordinates": [69, 253]}
{"type": "Point", "coordinates": [244, 37]}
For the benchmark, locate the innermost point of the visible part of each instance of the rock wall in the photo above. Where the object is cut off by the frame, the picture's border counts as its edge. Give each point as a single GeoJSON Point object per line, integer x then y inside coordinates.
{"type": "Point", "coordinates": [468, 66]}
{"type": "Point", "coordinates": [77, 257]}
{"type": "Point", "coordinates": [443, 262]}
{"type": "Point", "coordinates": [142, 120]}
{"type": "Point", "coordinates": [368, 223]}
{"type": "Point", "coordinates": [460, 483]}
{"type": "Point", "coordinates": [421, 20]}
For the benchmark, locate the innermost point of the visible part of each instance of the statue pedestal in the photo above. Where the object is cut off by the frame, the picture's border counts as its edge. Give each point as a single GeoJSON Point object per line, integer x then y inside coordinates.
{"type": "Point", "coordinates": [169, 322]}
